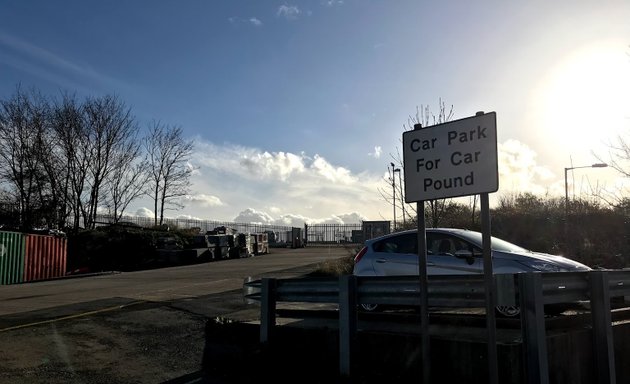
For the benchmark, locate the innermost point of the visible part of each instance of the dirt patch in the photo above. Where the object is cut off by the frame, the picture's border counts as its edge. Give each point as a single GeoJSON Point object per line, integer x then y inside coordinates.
{"type": "Point", "coordinates": [146, 344]}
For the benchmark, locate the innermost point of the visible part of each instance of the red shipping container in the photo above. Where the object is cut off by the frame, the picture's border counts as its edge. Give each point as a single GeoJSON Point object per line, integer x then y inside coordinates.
{"type": "Point", "coordinates": [45, 257]}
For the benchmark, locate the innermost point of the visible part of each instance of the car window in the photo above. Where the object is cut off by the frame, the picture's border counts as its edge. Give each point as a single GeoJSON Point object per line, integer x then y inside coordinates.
{"type": "Point", "coordinates": [440, 244]}
{"type": "Point", "coordinates": [404, 243]}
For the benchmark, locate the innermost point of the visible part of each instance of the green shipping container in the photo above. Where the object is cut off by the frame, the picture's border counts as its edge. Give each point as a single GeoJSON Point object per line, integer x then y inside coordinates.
{"type": "Point", "coordinates": [12, 248]}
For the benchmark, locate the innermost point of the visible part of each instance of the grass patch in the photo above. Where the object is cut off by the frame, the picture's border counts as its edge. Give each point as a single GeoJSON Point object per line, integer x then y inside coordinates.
{"type": "Point", "coordinates": [338, 267]}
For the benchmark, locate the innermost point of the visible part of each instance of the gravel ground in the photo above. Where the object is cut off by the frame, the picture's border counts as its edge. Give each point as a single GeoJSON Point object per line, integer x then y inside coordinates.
{"type": "Point", "coordinates": [147, 343]}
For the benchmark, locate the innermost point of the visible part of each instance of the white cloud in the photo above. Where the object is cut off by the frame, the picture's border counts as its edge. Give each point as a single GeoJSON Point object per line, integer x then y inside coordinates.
{"type": "Point", "coordinates": [332, 3]}
{"type": "Point", "coordinates": [203, 200]}
{"type": "Point", "coordinates": [330, 172]}
{"type": "Point", "coordinates": [277, 164]}
{"type": "Point", "coordinates": [291, 220]}
{"type": "Point", "coordinates": [351, 218]}
{"type": "Point", "coordinates": [144, 212]}
{"type": "Point", "coordinates": [377, 152]}
{"type": "Point", "coordinates": [519, 171]}
{"type": "Point", "coordinates": [289, 12]}
{"type": "Point", "coordinates": [236, 21]}
{"type": "Point", "coordinates": [249, 163]}
{"type": "Point", "coordinates": [188, 217]}
{"type": "Point", "coordinates": [277, 187]}
{"type": "Point", "coordinates": [253, 216]}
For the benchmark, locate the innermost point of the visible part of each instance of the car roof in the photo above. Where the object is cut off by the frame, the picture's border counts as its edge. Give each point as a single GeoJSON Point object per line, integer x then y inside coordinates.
{"type": "Point", "coordinates": [456, 231]}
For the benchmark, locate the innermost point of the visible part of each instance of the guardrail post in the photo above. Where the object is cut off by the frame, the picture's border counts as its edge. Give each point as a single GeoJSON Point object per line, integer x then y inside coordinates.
{"type": "Point", "coordinates": [533, 328]}
{"type": "Point", "coordinates": [267, 308]}
{"type": "Point", "coordinates": [602, 327]}
{"type": "Point", "coordinates": [347, 322]}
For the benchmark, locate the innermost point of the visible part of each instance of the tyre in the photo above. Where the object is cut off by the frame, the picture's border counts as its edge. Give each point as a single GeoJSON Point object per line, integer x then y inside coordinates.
{"type": "Point", "coordinates": [369, 307]}
{"type": "Point", "coordinates": [508, 310]}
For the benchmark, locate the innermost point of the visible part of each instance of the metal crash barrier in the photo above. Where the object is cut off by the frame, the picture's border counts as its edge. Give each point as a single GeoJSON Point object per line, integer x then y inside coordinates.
{"type": "Point", "coordinates": [530, 291]}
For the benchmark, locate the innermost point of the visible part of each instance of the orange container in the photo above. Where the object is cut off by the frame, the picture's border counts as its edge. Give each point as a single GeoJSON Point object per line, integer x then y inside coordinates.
{"type": "Point", "coordinates": [44, 257]}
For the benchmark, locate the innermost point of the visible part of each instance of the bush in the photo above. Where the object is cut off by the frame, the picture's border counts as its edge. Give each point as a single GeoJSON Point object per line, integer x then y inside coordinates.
{"type": "Point", "coordinates": [121, 248]}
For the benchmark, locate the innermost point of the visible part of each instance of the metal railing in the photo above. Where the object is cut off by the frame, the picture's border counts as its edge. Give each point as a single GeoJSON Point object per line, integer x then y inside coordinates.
{"type": "Point", "coordinates": [530, 291]}
{"type": "Point", "coordinates": [316, 233]}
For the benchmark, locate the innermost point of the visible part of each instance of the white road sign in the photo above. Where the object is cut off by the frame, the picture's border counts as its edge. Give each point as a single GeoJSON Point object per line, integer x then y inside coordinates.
{"type": "Point", "coordinates": [457, 158]}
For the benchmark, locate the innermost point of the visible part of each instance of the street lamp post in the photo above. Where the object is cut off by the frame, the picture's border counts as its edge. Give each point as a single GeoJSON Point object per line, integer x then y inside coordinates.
{"type": "Point", "coordinates": [566, 183]}
{"type": "Point", "coordinates": [394, 170]}
{"type": "Point", "coordinates": [402, 198]}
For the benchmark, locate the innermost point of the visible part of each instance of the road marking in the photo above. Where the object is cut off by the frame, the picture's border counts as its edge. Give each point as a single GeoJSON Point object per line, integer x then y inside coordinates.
{"type": "Point", "coordinates": [117, 307]}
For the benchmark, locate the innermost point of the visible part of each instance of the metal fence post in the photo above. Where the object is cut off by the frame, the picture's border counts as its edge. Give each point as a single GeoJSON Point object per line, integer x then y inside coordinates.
{"type": "Point", "coordinates": [602, 327]}
{"type": "Point", "coordinates": [533, 328]}
{"type": "Point", "coordinates": [267, 309]}
{"type": "Point", "coordinates": [347, 323]}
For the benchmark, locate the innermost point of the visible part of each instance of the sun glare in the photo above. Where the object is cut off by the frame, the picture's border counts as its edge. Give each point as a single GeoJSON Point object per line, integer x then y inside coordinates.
{"type": "Point", "coordinates": [586, 99]}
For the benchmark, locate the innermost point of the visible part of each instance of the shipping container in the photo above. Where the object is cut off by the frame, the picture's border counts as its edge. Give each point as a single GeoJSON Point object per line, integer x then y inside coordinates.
{"type": "Point", "coordinates": [44, 257]}
{"type": "Point", "coordinates": [11, 258]}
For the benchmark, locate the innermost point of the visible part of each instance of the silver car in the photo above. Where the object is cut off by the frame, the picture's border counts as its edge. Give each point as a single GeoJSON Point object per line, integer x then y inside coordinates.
{"type": "Point", "coordinates": [452, 252]}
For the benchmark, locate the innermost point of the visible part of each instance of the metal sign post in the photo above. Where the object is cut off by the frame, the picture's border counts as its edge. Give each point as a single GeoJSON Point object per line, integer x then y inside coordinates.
{"type": "Point", "coordinates": [458, 158]}
{"type": "Point", "coordinates": [424, 297]}
{"type": "Point", "coordinates": [488, 277]}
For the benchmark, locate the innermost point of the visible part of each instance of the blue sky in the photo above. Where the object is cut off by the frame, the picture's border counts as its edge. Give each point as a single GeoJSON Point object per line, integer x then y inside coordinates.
{"type": "Point", "coordinates": [296, 106]}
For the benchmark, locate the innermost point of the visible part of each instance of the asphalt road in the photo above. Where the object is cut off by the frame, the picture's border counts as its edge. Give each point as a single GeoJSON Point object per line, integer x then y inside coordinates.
{"type": "Point", "coordinates": [134, 327]}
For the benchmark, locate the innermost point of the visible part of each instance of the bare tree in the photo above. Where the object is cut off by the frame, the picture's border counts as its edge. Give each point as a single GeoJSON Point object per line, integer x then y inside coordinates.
{"type": "Point", "coordinates": [435, 208]}
{"type": "Point", "coordinates": [72, 155]}
{"type": "Point", "coordinates": [22, 123]}
{"type": "Point", "coordinates": [619, 159]}
{"type": "Point", "coordinates": [112, 143]}
{"type": "Point", "coordinates": [169, 172]}
{"type": "Point", "coordinates": [69, 159]}
{"type": "Point", "coordinates": [93, 140]}
{"type": "Point", "coordinates": [127, 183]}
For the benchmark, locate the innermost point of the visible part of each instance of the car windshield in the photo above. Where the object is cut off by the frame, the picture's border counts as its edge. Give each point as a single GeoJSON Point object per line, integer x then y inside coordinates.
{"type": "Point", "coordinates": [497, 244]}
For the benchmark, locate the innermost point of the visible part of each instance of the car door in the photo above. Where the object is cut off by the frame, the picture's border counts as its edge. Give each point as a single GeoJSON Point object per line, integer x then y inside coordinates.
{"type": "Point", "coordinates": [451, 255]}
{"type": "Point", "coordinates": [396, 255]}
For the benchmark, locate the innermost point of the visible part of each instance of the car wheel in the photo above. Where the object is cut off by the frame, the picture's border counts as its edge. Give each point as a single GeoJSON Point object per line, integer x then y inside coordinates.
{"type": "Point", "coordinates": [369, 307]}
{"type": "Point", "coordinates": [508, 310]}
